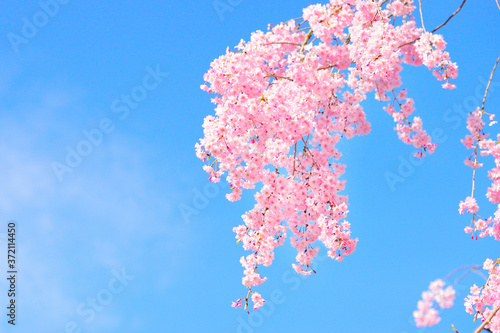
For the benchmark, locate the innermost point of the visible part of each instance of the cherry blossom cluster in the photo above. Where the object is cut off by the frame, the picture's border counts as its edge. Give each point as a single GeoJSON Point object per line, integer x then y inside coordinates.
{"type": "Point", "coordinates": [427, 314]}
{"type": "Point", "coordinates": [479, 142]}
{"type": "Point", "coordinates": [484, 302]}
{"type": "Point", "coordinates": [257, 300]}
{"type": "Point", "coordinates": [285, 98]}
{"type": "Point", "coordinates": [409, 133]}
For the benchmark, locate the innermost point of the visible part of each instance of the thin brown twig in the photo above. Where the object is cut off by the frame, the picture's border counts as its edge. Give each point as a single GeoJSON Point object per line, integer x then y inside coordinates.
{"type": "Point", "coordinates": [489, 82]}
{"type": "Point", "coordinates": [348, 39]}
{"type": "Point", "coordinates": [487, 321]}
{"type": "Point", "coordinates": [439, 26]}
{"type": "Point", "coordinates": [308, 36]}
{"type": "Point", "coordinates": [270, 43]}
{"type": "Point", "coordinates": [421, 15]}
{"type": "Point", "coordinates": [326, 67]}
{"type": "Point", "coordinates": [294, 158]}
{"type": "Point", "coordinates": [279, 77]}
{"type": "Point", "coordinates": [449, 18]}
{"type": "Point", "coordinates": [310, 152]}
{"type": "Point", "coordinates": [498, 4]}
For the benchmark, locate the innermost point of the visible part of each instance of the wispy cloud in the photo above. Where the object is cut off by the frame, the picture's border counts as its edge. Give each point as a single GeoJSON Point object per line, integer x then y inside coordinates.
{"type": "Point", "coordinates": [110, 214]}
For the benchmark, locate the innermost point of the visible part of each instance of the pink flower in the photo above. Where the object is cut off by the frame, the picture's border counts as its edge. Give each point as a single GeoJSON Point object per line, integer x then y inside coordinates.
{"type": "Point", "coordinates": [469, 206]}
{"type": "Point", "coordinates": [426, 313]}
{"type": "Point", "coordinates": [257, 300]}
{"type": "Point", "coordinates": [472, 164]}
{"type": "Point", "coordinates": [237, 304]}
{"type": "Point", "coordinates": [448, 85]}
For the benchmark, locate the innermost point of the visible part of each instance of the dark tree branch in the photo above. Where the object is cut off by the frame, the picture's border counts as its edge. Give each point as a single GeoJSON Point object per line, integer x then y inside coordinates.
{"type": "Point", "coordinates": [449, 18]}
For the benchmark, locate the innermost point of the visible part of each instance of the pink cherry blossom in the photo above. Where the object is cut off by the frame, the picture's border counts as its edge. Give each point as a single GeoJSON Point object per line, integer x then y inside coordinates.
{"type": "Point", "coordinates": [257, 300]}
{"type": "Point", "coordinates": [427, 313]}
{"type": "Point", "coordinates": [484, 302]}
{"type": "Point", "coordinates": [237, 304]}
{"type": "Point", "coordinates": [469, 206]}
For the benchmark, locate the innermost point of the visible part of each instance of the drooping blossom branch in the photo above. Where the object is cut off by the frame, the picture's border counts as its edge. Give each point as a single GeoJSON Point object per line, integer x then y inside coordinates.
{"type": "Point", "coordinates": [427, 313]}
{"type": "Point", "coordinates": [287, 97]}
{"type": "Point", "coordinates": [488, 295]}
{"type": "Point", "coordinates": [477, 140]}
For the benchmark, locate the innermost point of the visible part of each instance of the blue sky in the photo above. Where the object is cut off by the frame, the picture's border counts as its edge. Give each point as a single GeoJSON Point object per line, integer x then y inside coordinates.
{"type": "Point", "coordinates": [110, 226]}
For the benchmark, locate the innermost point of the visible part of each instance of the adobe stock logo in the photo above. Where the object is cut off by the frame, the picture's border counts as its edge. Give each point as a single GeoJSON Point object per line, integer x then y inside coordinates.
{"type": "Point", "coordinates": [200, 200]}
{"type": "Point", "coordinates": [89, 310]}
{"type": "Point", "coordinates": [30, 27]}
{"type": "Point", "coordinates": [222, 6]}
